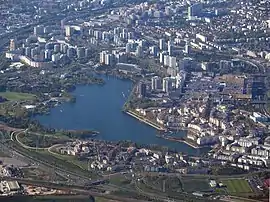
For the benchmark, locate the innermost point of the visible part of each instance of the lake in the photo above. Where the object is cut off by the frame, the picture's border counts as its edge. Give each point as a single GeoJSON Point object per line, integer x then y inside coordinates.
{"type": "Point", "coordinates": [100, 108]}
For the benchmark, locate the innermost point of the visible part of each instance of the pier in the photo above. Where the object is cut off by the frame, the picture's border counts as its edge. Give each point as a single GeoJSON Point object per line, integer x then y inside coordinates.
{"type": "Point", "coordinates": [180, 139]}
{"type": "Point", "coordinates": [145, 120]}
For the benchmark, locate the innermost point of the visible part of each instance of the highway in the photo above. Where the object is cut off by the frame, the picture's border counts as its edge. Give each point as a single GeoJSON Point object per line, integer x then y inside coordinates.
{"type": "Point", "coordinates": [74, 177]}
{"type": "Point", "coordinates": [71, 175]}
{"type": "Point", "coordinates": [73, 185]}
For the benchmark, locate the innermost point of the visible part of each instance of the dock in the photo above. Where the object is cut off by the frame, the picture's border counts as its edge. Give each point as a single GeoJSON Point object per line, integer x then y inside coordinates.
{"type": "Point", "coordinates": [145, 120]}
{"type": "Point", "coordinates": [180, 139]}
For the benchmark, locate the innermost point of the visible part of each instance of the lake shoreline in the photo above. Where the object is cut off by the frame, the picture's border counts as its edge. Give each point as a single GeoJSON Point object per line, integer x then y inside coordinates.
{"type": "Point", "coordinates": [96, 98]}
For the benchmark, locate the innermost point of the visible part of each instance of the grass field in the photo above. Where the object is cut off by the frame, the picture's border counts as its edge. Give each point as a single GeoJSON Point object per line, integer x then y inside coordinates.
{"type": "Point", "coordinates": [69, 159]}
{"type": "Point", "coordinates": [120, 180]}
{"type": "Point", "coordinates": [195, 184]}
{"type": "Point", "coordinates": [100, 199]}
{"type": "Point", "coordinates": [15, 96]}
{"type": "Point", "coordinates": [41, 141]}
{"type": "Point", "coordinates": [237, 186]}
{"type": "Point", "coordinates": [172, 184]}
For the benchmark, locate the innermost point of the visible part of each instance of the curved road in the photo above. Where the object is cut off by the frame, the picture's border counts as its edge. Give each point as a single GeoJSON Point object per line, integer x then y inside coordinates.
{"type": "Point", "coordinates": [46, 164]}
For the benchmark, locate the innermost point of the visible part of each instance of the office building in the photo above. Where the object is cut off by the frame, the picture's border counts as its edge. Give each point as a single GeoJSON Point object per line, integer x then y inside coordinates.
{"type": "Point", "coordinates": [162, 44]}
{"type": "Point", "coordinates": [56, 48]}
{"type": "Point", "coordinates": [69, 31]}
{"type": "Point", "coordinates": [155, 83]}
{"type": "Point", "coordinates": [225, 64]}
{"type": "Point", "coordinates": [142, 43]}
{"type": "Point", "coordinates": [194, 10]}
{"type": "Point", "coordinates": [170, 48]}
{"type": "Point", "coordinates": [106, 36]}
{"type": "Point", "coordinates": [48, 55]}
{"type": "Point", "coordinates": [130, 35]}
{"type": "Point", "coordinates": [161, 56]}
{"type": "Point", "coordinates": [158, 14]}
{"type": "Point", "coordinates": [41, 56]}
{"type": "Point", "coordinates": [48, 46]}
{"type": "Point", "coordinates": [116, 39]}
{"type": "Point", "coordinates": [63, 48]}
{"type": "Point", "coordinates": [171, 71]}
{"type": "Point", "coordinates": [109, 59]}
{"type": "Point", "coordinates": [47, 30]}
{"type": "Point", "coordinates": [166, 60]}
{"type": "Point", "coordinates": [139, 51]}
{"type": "Point", "coordinates": [168, 11]}
{"type": "Point", "coordinates": [167, 84]}
{"type": "Point", "coordinates": [12, 45]}
{"type": "Point", "coordinates": [142, 90]}
{"type": "Point", "coordinates": [102, 57]}
{"type": "Point", "coordinates": [80, 52]}
{"type": "Point", "coordinates": [124, 34]}
{"type": "Point", "coordinates": [33, 52]}
{"type": "Point", "coordinates": [187, 49]}
{"type": "Point", "coordinates": [98, 35]}
{"type": "Point", "coordinates": [91, 32]}
{"type": "Point", "coordinates": [38, 30]}
{"type": "Point", "coordinates": [128, 47]}
{"type": "Point", "coordinates": [154, 51]}
{"type": "Point", "coordinates": [204, 66]}
{"type": "Point", "coordinates": [63, 24]}
{"type": "Point", "coordinates": [87, 52]}
{"type": "Point", "coordinates": [116, 31]}
{"type": "Point", "coordinates": [56, 57]}
{"type": "Point", "coordinates": [172, 62]}
{"type": "Point", "coordinates": [258, 88]}
{"type": "Point", "coordinates": [28, 51]}
{"type": "Point", "coordinates": [71, 52]}
{"type": "Point", "coordinates": [121, 58]}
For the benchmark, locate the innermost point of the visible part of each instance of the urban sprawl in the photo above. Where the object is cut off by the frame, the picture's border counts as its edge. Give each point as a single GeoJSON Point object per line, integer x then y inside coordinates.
{"type": "Point", "coordinates": [199, 68]}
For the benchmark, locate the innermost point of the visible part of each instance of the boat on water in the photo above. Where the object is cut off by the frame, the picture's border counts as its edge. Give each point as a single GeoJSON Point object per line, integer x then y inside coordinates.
{"type": "Point", "coordinates": [165, 132]}
{"type": "Point", "coordinates": [123, 94]}
{"type": "Point", "coordinates": [61, 110]}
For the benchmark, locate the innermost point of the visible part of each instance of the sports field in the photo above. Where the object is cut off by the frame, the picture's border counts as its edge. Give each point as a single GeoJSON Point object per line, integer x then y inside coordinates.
{"type": "Point", "coordinates": [237, 186]}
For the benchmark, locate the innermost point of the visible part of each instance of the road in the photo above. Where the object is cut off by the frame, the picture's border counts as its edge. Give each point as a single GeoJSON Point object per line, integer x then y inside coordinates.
{"type": "Point", "coordinates": [22, 144]}
{"type": "Point", "coordinates": [14, 138]}
{"type": "Point", "coordinates": [63, 172]}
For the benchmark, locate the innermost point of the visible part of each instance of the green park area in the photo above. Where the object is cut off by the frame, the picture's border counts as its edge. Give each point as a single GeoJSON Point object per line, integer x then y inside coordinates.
{"type": "Point", "coordinates": [77, 163]}
{"type": "Point", "coordinates": [178, 187]}
{"type": "Point", "coordinates": [15, 96]}
{"type": "Point", "coordinates": [192, 184]}
{"type": "Point", "coordinates": [237, 186]}
{"type": "Point", "coordinates": [177, 184]}
{"type": "Point", "coordinates": [41, 140]}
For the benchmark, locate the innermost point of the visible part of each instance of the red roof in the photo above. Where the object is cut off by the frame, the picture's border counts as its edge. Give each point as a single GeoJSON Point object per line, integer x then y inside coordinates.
{"type": "Point", "coordinates": [267, 182]}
